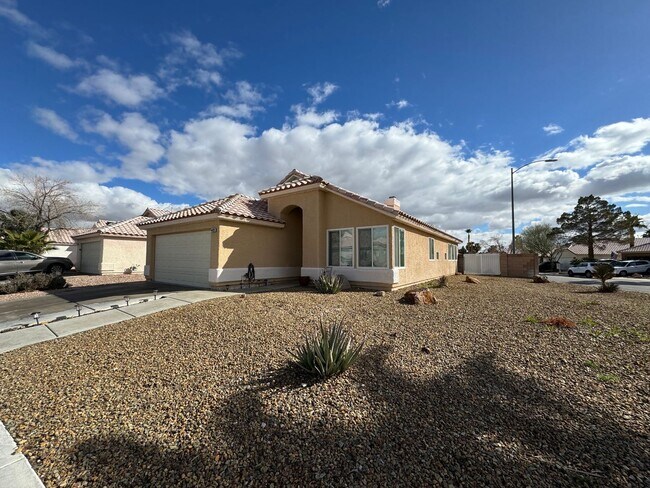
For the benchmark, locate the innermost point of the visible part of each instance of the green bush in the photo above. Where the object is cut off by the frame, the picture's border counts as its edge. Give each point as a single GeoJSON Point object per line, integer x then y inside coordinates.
{"type": "Point", "coordinates": [608, 288]}
{"type": "Point", "coordinates": [604, 272]}
{"type": "Point", "coordinates": [327, 352]}
{"type": "Point", "coordinates": [23, 282]}
{"type": "Point", "coordinates": [328, 283]}
{"type": "Point", "coordinates": [442, 281]}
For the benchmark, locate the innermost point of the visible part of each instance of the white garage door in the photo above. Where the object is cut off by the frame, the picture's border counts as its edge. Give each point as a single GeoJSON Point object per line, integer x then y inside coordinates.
{"type": "Point", "coordinates": [91, 254]}
{"type": "Point", "coordinates": [183, 259]}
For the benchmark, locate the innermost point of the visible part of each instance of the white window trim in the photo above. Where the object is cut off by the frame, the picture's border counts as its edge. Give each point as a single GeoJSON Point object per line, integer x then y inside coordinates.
{"type": "Point", "coordinates": [434, 249]}
{"type": "Point", "coordinates": [387, 246]}
{"type": "Point", "coordinates": [394, 255]}
{"type": "Point", "coordinates": [327, 247]}
{"type": "Point", "coordinates": [451, 247]}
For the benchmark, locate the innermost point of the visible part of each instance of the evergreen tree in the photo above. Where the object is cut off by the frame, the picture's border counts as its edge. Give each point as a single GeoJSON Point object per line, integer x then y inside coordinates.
{"type": "Point", "coordinates": [629, 223]}
{"type": "Point", "coordinates": [592, 220]}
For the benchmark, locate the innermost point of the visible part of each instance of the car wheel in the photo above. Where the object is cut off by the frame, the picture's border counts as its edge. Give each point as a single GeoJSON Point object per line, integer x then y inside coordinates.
{"type": "Point", "coordinates": [56, 269]}
{"type": "Point", "coordinates": [588, 274]}
{"type": "Point", "coordinates": [570, 273]}
{"type": "Point", "coordinates": [623, 273]}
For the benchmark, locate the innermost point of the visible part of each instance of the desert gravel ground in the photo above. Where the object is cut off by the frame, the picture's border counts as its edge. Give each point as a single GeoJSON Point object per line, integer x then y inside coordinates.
{"type": "Point", "coordinates": [78, 281]}
{"type": "Point", "coordinates": [202, 396]}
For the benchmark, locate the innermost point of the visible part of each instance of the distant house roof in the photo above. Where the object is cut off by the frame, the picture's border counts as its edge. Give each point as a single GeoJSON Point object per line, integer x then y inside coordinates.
{"type": "Point", "coordinates": [64, 236]}
{"type": "Point", "coordinates": [123, 228]}
{"type": "Point", "coordinates": [607, 247]}
{"type": "Point", "coordinates": [236, 205]}
{"type": "Point", "coordinates": [641, 248]}
{"type": "Point", "coordinates": [296, 179]}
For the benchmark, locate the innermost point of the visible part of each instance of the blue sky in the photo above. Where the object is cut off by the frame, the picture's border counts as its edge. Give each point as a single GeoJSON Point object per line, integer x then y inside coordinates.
{"type": "Point", "coordinates": [170, 103]}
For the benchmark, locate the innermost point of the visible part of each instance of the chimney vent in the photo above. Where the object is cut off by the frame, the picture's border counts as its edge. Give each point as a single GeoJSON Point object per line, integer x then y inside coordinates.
{"type": "Point", "coordinates": [392, 202]}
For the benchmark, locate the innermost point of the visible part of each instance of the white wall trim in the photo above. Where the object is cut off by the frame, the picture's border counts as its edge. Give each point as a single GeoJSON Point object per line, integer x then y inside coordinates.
{"type": "Point", "coordinates": [220, 275]}
{"type": "Point", "coordinates": [364, 275]}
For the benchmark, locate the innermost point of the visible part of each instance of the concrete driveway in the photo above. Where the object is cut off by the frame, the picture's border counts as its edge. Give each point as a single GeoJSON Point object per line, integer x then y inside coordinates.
{"type": "Point", "coordinates": [19, 311]}
{"type": "Point", "coordinates": [641, 285]}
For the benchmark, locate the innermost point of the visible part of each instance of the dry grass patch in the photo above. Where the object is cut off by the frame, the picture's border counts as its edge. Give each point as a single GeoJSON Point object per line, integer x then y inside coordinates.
{"type": "Point", "coordinates": [202, 395]}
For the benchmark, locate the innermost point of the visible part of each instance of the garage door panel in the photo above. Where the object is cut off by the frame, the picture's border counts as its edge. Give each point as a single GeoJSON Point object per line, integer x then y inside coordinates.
{"type": "Point", "coordinates": [90, 257]}
{"type": "Point", "coordinates": [183, 259]}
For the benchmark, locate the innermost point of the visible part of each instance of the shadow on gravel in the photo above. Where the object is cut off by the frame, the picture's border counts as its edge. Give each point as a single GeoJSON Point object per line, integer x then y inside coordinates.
{"type": "Point", "coordinates": [477, 425]}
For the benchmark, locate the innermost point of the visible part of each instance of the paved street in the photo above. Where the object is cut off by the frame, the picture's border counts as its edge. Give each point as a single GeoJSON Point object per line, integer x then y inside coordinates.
{"type": "Point", "coordinates": [641, 285]}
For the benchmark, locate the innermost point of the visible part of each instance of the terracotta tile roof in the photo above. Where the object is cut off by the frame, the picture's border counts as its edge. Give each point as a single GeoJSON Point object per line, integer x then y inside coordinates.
{"type": "Point", "coordinates": [155, 212]}
{"type": "Point", "coordinates": [645, 248]}
{"type": "Point", "coordinates": [297, 178]}
{"type": "Point", "coordinates": [124, 228]}
{"type": "Point", "coordinates": [608, 247]}
{"type": "Point", "coordinates": [237, 205]}
{"type": "Point", "coordinates": [64, 236]}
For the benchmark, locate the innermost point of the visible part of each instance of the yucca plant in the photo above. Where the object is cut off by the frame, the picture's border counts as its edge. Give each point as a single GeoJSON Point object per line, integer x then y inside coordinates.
{"type": "Point", "coordinates": [327, 352]}
{"type": "Point", "coordinates": [442, 281]}
{"type": "Point", "coordinates": [604, 272]}
{"type": "Point", "coordinates": [328, 283]}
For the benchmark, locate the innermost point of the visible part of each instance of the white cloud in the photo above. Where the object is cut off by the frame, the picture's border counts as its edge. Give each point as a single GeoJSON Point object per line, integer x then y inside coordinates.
{"type": "Point", "coordinates": [399, 104]}
{"type": "Point", "coordinates": [383, 3]}
{"type": "Point", "coordinates": [74, 170]}
{"type": "Point", "coordinates": [241, 102]}
{"type": "Point", "coordinates": [9, 10]}
{"type": "Point", "coordinates": [52, 121]}
{"type": "Point", "coordinates": [310, 117]}
{"type": "Point", "coordinates": [319, 92]}
{"type": "Point", "coordinates": [128, 90]}
{"type": "Point", "coordinates": [139, 136]}
{"type": "Point", "coordinates": [50, 56]}
{"type": "Point", "coordinates": [553, 129]}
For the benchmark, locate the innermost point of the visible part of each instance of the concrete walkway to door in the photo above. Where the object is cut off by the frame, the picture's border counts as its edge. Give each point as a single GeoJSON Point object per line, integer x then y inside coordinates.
{"type": "Point", "coordinates": [104, 313]}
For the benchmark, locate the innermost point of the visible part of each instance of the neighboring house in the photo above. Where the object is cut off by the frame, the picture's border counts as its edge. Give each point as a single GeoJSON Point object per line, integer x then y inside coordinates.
{"type": "Point", "coordinates": [63, 244]}
{"type": "Point", "coordinates": [298, 227]}
{"type": "Point", "coordinates": [640, 251]}
{"type": "Point", "coordinates": [113, 247]}
{"type": "Point", "coordinates": [602, 250]}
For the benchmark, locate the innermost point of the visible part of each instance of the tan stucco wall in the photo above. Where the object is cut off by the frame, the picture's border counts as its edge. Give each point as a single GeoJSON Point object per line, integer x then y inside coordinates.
{"type": "Point", "coordinates": [121, 253]}
{"type": "Point", "coordinates": [418, 266]}
{"type": "Point", "coordinates": [176, 228]}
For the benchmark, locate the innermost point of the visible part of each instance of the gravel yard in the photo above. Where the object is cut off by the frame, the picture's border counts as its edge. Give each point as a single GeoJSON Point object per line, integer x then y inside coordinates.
{"type": "Point", "coordinates": [78, 281]}
{"type": "Point", "coordinates": [201, 395]}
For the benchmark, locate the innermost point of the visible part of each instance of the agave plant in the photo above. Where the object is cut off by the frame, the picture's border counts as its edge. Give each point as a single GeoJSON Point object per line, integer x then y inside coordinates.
{"type": "Point", "coordinates": [328, 283]}
{"type": "Point", "coordinates": [327, 352]}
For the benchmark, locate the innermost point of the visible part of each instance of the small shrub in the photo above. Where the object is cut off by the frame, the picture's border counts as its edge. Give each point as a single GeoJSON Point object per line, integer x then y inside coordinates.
{"type": "Point", "coordinates": [57, 283]}
{"type": "Point", "coordinates": [23, 283]}
{"type": "Point", "coordinates": [41, 281]}
{"type": "Point", "coordinates": [531, 319]}
{"type": "Point", "coordinates": [559, 322]}
{"type": "Point", "coordinates": [442, 281]}
{"type": "Point", "coordinates": [328, 283]}
{"type": "Point", "coordinates": [589, 322]}
{"type": "Point", "coordinates": [608, 288]}
{"type": "Point", "coordinates": [608, 378]}
{"type": "Point", "coordinates": [327, 352]}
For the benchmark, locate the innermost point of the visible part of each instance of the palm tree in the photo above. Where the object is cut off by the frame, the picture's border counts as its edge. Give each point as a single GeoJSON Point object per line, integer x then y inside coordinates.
{"type": "Point", "coordinates": [631, 222]}
{"type": "Point", "coordinates": [29, 240]}
{"type": "Point", "coordinates": [469, 235]}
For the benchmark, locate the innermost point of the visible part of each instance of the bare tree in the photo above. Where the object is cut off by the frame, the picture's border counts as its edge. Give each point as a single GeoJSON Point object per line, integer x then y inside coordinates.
{"type": "Point", "coordinates": [51, 202]}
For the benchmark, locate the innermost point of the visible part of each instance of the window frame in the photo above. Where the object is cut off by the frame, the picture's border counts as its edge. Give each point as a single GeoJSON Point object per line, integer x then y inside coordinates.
{"type": "Point", "coordinates": [327, 245]}
{"type": "Point", "coordinates": [432, 251]}
{"type": "Point", "coordinates": [452, 256]}
{"type": "Point", "coordinates": [395, 264]}
{"type": "Point", "coordinates": [356, 245]}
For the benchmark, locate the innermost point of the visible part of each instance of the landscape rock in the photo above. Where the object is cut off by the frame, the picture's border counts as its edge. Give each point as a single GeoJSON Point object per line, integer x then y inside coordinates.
{"type": "Point", "coordinates": [637, 275]}
{"type": "Point", "coordinates": [345, 284]}
{"type": "Point", "coordinates": [540, 279]}
{"type": "Point", "coordinates": [420, 297]}
{"type": "Point", "coordinates": [471, 279]}
{"type": "Point", "coordinates": [426, 350]}
{"type": "Point", "coordinates": [380, 293]}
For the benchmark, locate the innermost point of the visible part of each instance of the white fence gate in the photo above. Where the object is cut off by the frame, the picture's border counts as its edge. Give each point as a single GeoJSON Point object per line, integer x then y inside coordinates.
{"type": "Point", "coordinates": [482, 264]}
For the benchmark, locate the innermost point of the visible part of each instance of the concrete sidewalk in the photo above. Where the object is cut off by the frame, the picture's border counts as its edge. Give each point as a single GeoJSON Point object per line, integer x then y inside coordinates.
{"type": "Point", "coordinates": [103, 314]}
{"type": "Point", "coordinates": [15, 470]}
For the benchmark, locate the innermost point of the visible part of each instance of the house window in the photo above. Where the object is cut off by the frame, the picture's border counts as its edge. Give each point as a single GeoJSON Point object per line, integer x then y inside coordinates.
{"type": "Point", "coordinates": [372, 244]}
{"type": "Point", "coordinates": [340, 245]}
{"type": "Point", "coordinates": [437, 255]}
{"type": "Point", "coordinates": [452, 252]}
{"type": "Point", "coordinates": [432, 249]}
{"type": "Point", "coordinates": [398, 247]}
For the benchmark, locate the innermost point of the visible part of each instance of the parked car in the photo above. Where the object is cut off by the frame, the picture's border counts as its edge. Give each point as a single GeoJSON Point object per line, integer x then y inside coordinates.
{"type": "Point", "coordinates": [14, 262]}
{"type": "Point", "coordinates": [586, 268]}
{"type": "Point", "coordinates": [624, 268]}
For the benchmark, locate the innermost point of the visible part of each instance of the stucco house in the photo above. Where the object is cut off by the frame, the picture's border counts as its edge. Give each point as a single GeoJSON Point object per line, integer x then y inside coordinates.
{"type": "Point", "coordinates": [602, 250]}
{"type": "Point", "coordinates": [113, 247]}
{"type": "Point", "coordinates": [63, 245]}
{"type": "Point", "coordinates": [298, 227]}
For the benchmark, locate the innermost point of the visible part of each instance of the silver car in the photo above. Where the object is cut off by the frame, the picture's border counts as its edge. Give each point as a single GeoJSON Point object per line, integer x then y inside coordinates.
{"type": "Point", "coordinates": [586, 268]}
{"type": "Point", "coordinates": [624, 268]}
{"type": "Point", "coordinates": [14, 262]}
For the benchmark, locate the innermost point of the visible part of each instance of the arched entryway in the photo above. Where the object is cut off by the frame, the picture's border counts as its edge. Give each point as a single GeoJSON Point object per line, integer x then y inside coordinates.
{"type": "Point", "coordinates": [292, 216]}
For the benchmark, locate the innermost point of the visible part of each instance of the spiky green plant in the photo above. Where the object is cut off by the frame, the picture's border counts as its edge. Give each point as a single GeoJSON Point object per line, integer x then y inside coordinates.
{"type": "Point", "coordinates": [29, 240]}
{"type": "Point", "coordinates": [442, 281]}
{"type": "Point", "coordinates": [328, 283]}
{"type": "Point", "coordinates": [327, 352]}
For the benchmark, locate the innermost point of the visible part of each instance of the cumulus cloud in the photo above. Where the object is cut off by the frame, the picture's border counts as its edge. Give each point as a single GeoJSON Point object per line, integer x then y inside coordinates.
{"type": "Point", "coordinates": [311, 117]}
{"type": "Point", "coordinates": [399, 104]}
{"type": "Point", "coordinates": [52, 121]}
{"type": "Point", "coordinates": [319, 92]}
{"type": "Point", "coordinates": [241, 102]}
{"type": "Point", "coordinates": [50, 56]}
{"type": "Point", "coordinates": [553, 129]}
{"type": "Point", "coordinates": [139, 136]}
{"type": "Point", "coordinates": [128, 90]}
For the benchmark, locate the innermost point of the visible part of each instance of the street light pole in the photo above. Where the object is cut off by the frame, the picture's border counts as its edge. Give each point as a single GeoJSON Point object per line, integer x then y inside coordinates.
{"type": "Point", "coordinates": [512, 193]}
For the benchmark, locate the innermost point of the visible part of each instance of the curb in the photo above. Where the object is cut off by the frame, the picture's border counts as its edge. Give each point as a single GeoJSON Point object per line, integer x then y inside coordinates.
{"type": "Point", "coordinates": [15, 470]}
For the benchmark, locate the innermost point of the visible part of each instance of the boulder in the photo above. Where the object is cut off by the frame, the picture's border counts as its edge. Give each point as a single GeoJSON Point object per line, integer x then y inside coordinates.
{"type": "Point", "coordinates": [540, 279]}
{"type": "Point", "coordinates": [380, 293]}
{"type": "Point", "coordinates": [470, 279]}
{"type": "Point", "coordinates": [426, 350]}
{"type": "Point", "coordinates": [637, 275]}
{"type": "Point", "coordinates": [420, 297]}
